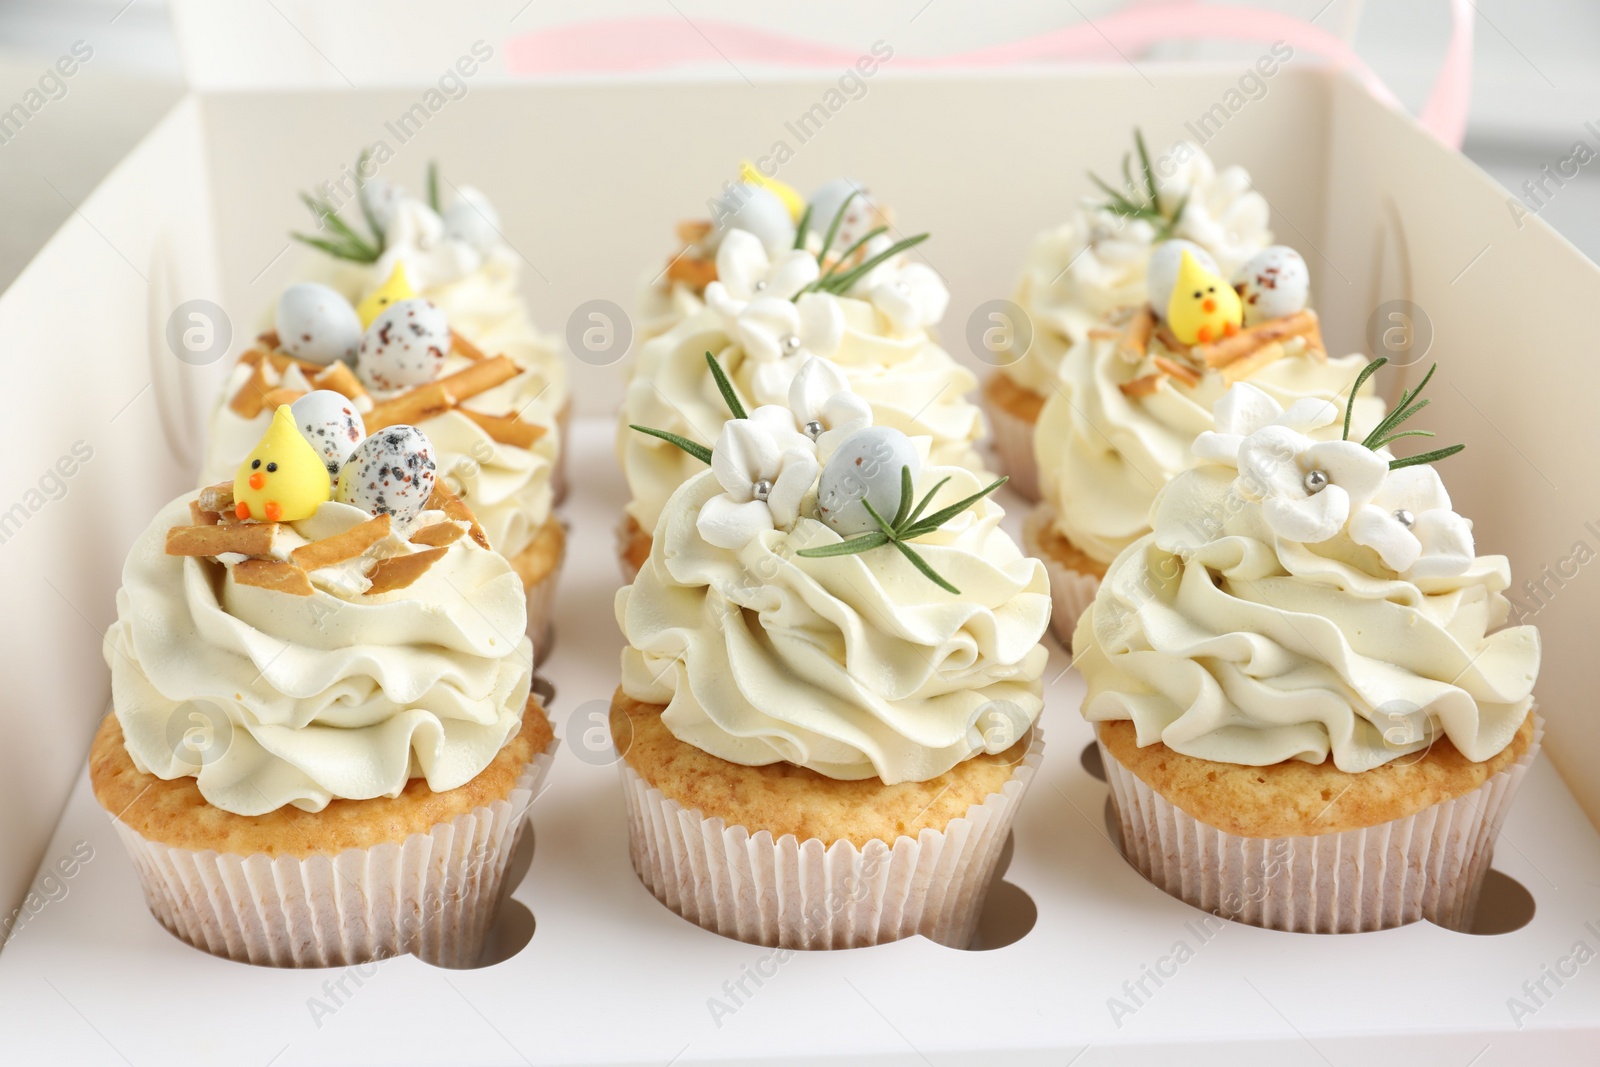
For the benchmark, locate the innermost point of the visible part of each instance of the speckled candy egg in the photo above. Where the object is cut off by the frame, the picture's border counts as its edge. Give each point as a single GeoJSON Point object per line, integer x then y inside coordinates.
{"type": "Point", "coordinates": [390, 473]}
{"type": "Point", "coordinates": [865, 466]}
{"type": "Point", "coordinates": [380, 200]}
{"type": "Point", "coordinates": [404, 346]}
{"type": "Point", "coordinates": [1273, 284]}
{"type": "Point", "coordinates": [316, 324]}
{"type": "Point", "coordinates": [758, 211]}
{"type": "Point", "coordinates": [330, 421]}
{"type": "Point", "coordinates": [860, 217]}
{"type": "Point", "coordinates": [1163, 270]}
{"type": "Point", "coordinates": [472, 219]}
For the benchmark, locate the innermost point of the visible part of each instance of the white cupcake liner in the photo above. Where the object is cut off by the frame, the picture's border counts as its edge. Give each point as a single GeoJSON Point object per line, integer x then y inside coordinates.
{"type": "Point", "coordinates": [1430, 865]}
{"type": "Point", "coordinates": [1071, 591]}
{"type": "Point", "coordinates": [435, 895]}
{"type": "Point", "coordinates": [805, 895]}
{"type": "Point", "coordinates": [1013, 443]}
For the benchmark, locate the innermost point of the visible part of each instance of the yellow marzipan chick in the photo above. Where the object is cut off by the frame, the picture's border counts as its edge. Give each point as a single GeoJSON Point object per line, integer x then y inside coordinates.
{"type": "Point", "coordinates": [392, 291]}
{"type": "Point", "coordinates": [283, 479]}
{"type": "Point", "coordinates": [1203, 307]}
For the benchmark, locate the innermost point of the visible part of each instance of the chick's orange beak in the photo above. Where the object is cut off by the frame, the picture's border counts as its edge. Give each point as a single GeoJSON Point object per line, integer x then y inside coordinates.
{"type": "Point", "coordinates": [1208, 306]}
{"type": "Point", "coordinates": [257, 480]}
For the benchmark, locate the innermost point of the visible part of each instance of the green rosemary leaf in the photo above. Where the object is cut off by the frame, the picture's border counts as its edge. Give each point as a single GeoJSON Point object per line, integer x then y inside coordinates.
{"type": "Point", "coordinates": [1361, 379]}
{"type": "Point", "coordinates": [433, 185]}
{"type": "Point", "coordinates": [907, 496]}
{"type": "Point", "coordinates": [694, 448]}
{"type": "Point", "coordinates": [1119, 200]}
{"type": "Point", "coordinates": [916, 514]}
{"type": "Point", "coordinates": [1399, 434]}
{"type": "Point", "coordinates": [1425, 457]}
{"type": "Point", "coordinates": [833, 227]}
{"type": "Point", "coordinates": [1392, 420]}
{"type": "Point", "coordinates": [328, 217]}
{"type": "Point", "coordinates": [1149, 172]}
{"type": "Point", "coordinates": [944, 515]}
{"type": "Point", "coordinates": [847, 253]}
{"type": "Point", "coordinates": [841, 283]}
{"type": "Point", "coordinates": [883, 524]}
{"type": "Point", "coordinates": [862, 543]}
{"type": "Point", "coordinates": [803, 228]}
{"type": "Point", "coordinates": [337, 249]}
{"type": "Point", "coordinates": [729, 397]}
{"type": "Point", "coordinates": [922, 565]}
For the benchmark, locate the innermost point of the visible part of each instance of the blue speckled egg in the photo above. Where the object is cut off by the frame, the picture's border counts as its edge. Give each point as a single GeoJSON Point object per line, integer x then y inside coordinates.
{"type": "Point", "coordinates": [1274, 283]}
{"type": "Point", "coordinates": [330, 421]}
{"type": "Point", "coordinates": [404, 346]}
{"type": "Point", "coordinates": [865, 466]}
{"type": "Point", "coordinates": [390, 473]}
{"type": "Point", "coordinates": [316, 324]}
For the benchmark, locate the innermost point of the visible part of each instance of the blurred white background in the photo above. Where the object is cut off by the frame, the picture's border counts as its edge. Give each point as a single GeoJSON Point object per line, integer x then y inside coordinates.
{"type": "Point", "coordinates": [1536, 76]}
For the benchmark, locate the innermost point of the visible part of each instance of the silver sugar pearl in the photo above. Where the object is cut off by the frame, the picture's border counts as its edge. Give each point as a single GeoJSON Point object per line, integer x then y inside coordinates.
{"type": "Point", "coordinates": [1404, 518]}
{"type": "Point", "coordinates": [761, 490]}
{"type": "Point", "coordinates": [813, 429]}
{"type": "Point", "coordinates": [792, 342]}
{"type": "Point", "coordinates": [1315, 481]}
{"type": "Point", "coordinates": [760, 285]}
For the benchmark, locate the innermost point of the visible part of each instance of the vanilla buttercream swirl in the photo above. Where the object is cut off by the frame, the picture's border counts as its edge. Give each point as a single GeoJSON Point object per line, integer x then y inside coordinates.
{"type": "Point", "coordinates": [910, 383]}
{"type": "Point", "coordinates": [1226, 642]}
{"type": "Point", "coordinates": [310, 698]}
{"type": "Point", "coordinates": [1103, 455]}
{"type": "Point", "coordinates": [852, 666]}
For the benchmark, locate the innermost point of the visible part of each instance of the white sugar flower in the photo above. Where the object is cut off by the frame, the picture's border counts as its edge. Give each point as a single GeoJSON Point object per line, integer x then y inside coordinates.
{"type": "Point", "coordinates": [745, 272]}
{"type": "Point", "coordinates": [1410, 524]}
{"type": "Point", "coordinates": [415, 234]}
{"type": "Point", "coordinates": [825, 408]}
{"type": "Point", "coordinates": [754, 296]}
{"type": "Point", "coordinates": [766, 468]}
{"type": "Point", "coordinates": [1307, 489]}
{"type": "Point", "coordinates": [910, 295]}
{"type": "Point", "coordinates": [1245, 409]}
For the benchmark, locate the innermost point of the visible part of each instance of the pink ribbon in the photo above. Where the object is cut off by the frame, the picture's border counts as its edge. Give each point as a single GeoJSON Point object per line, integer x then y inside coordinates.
{"type": "Point", "coordinates": [643, 45]}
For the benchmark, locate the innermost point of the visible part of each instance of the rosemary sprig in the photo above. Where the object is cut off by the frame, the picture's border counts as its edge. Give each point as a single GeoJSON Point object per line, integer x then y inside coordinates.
{"type": "Point", "coordinates": [433, 186]}
{"type": "Point", "coordinates": [346, 242]}
{"type": "Point", "coordinates": [1128, 203]}
{"type": "Point", "coordinates": [366, 209]}
{"type": "Point", "coordinates": [800, 230]}
{"type": "Point", "coordinates": [1388, 429]}
{"type": "Point", "coordinates": [908, 524]}
{"type": "Point", "coordinates": [695, 448]}
{"type": "Point", "coordinates": [725, 387]}
{"type": "Point", "coordinates": [837, 278]}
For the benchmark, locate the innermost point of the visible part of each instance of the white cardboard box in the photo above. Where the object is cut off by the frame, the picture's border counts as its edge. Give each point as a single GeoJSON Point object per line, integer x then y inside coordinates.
{"type": "Point", "coordinates": [589, 179]}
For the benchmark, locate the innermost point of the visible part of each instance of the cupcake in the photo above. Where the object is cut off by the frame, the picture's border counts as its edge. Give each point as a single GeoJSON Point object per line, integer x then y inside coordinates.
{"type": "Point", "coordinates": [455, 255]}
{"type": "Point", "coordinates": [770, 210]}
{"type": "Point", "coordinates": [867, 308]}
{"type": "Point", "coordinates": [1311, 713]}
{"type": "Point", "coordinates": [400, 360]}
{"type": "Point", "coordinates": [826, 720]}
{"type": "Point", "coordinates": [1095, 265]}
{"type": "Point", "coordinates": [322, 745]}
{"type": "Point", "coordinates": [1131, 398]}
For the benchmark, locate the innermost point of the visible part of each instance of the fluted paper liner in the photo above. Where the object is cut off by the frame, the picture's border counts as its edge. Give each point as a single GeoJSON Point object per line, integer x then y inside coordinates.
{"type": "Point", "coordinates": [433, 895]}
{"type": "Point", "coordinates": [805, 895]}
{"type": "Point", "coordinates": [1013, 443]}
{"type": "Point", "coordinates": [1430, 865]}
{"type": "Point", "coordinates": [1071, 591]}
